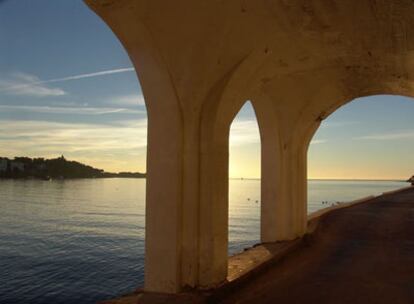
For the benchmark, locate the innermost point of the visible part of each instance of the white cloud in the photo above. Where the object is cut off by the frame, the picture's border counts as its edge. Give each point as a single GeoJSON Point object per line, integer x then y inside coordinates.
{"type": "Point", "coordinates": [30, 85]}
{"type": "Point", "coordinates": [318, 141]}
{"type": "Point", "coordinates": [329, 124]}
{"type": "Point", "coordinates": [407, 134]}
{"type": "Point", "coordinates": [27, 85]}
{"type": "Point", "coordinates": [244, 132]}
{"type": "Point", "coordinates": [71, 110]}
{"type": "Point", "coordinates": [127, 100]}
{"type": "Point", "coordinates": [45, 138]}
{"type": "Point", "coordinates": [113, 148]}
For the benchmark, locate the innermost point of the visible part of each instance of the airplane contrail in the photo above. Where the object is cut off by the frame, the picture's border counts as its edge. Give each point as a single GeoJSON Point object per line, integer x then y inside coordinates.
{"type": "Point", "coordinates": [89, 75]}
{"type": "Point", "coordinates": [68, 78]}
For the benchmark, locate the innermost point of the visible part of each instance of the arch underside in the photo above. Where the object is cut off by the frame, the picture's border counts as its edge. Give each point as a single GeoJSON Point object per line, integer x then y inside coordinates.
{"type": "Point", "coordinates": [298, 61]}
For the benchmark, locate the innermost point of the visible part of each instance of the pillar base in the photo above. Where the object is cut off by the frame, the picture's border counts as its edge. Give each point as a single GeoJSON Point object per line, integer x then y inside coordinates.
{"type": "Point", "coordinates": [243, 267]}
{"type": "Point", "coordinates": [143, 297]}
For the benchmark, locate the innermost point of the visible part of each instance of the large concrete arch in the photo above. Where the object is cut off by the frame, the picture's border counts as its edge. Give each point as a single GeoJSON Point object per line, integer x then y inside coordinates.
{"type": "Point", "coordinates": [165, 153]}
{"type": "Point", "coordinates": [197, 61]}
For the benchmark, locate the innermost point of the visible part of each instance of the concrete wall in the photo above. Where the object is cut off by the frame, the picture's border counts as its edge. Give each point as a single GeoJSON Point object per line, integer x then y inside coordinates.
{"type": "Point", "coordinates": [198, 61]}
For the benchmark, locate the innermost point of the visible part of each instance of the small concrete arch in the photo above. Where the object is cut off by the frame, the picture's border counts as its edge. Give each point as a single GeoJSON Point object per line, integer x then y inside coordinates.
{"type": "Point", "coordinates": [214, 189]}
{"type": "Point", "coordinates": [222, 104]}
{"type": "Point", "coordinates": [244, 184]}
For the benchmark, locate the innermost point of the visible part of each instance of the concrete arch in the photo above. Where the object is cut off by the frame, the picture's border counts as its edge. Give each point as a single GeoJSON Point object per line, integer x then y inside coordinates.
{"type": "Point", "coordinates": [165, 144]}
{"type": "Point", "coordinates": [217, 114]}
{"type": "Point", "coordinates": [199, 61]}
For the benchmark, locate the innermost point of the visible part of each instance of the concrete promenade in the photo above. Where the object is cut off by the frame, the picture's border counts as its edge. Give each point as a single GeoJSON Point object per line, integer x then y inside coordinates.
{"type": "Point", "coordinates": [361, 254]}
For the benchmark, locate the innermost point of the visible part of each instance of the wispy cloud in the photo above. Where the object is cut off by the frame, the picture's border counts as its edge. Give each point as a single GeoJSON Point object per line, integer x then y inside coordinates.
{"type": "Point", "coordinates": [244, 132]}
{"type": "Point", "coordinates": [26, 84]}
{"type": "Point", "coordinates": [330, 124]}
{"type": "Point", "coordinates": [127, 100]}
{"type": "Point", "coordinates": [405, 134]}
{"type": "Point", "coordinates": [100, 145]}
{"type": "Point", "coordinates": [318, 141]}
{"type": "Point", "coordinates": [70, 110]}
{"type": "Point", "coordinates": [89, 75]}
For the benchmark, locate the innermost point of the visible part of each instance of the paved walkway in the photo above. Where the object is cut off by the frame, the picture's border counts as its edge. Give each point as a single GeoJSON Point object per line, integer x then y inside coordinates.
{"type": "Point", "coordinates": [361, 254]}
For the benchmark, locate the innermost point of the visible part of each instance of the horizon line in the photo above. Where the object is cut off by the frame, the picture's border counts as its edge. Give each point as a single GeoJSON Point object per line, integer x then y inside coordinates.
{"type": "Point", "coordinates": [332, 179]}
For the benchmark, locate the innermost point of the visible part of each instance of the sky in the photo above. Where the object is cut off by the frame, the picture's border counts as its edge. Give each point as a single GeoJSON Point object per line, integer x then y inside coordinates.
{"type": "Point", "coordinates": [68, 87]}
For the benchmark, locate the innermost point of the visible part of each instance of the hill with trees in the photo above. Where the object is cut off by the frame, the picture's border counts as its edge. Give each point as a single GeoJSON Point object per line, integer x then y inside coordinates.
{"type": "Point", "coordinates": [56, 168]}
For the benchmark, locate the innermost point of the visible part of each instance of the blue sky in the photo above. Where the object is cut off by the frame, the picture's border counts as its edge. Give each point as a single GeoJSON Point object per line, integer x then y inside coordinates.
{"type": "Point", "coordinates": [67, 87]}
{"type": "Point", "coordinates": [85, 115]}
{"type": "Point", "coordinates": [368, 138]}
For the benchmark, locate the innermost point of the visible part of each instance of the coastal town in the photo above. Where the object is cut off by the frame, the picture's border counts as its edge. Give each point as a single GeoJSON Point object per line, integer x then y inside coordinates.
{"type": "Point", "coordinates": [56, 168]}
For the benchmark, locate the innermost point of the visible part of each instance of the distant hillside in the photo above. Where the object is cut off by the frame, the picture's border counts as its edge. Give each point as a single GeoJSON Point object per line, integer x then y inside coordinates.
{"type": "Point", "coordinates": [56, 168]}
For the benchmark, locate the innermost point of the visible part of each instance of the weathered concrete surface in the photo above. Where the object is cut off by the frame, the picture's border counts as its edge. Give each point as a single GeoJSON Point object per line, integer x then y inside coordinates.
{"type": "Point", "coordinates": [199, 61]}
{"type": "Point", "coordinates": [361, 254]}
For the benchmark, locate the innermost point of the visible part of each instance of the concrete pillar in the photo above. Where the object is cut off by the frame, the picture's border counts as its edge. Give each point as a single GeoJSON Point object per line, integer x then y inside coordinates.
{"type": "Point", "coordinates": [214, 211]}
{"type": "Point", "coordinates": [167, 157]}
{"type": "Point", "coordinates": [163, 208]}
{"type": "Point", "coordinates": [173, 213]}
{"type": "Point", "coordinates": [214, 166]}
{"type": "Point", "coordinates": [283, 213]}
{"type": "Point", "coordinates": [283, 178]}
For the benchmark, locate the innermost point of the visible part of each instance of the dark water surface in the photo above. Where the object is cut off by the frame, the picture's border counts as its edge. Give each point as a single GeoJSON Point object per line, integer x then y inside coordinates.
{"type": "Point", "coordinates": [82, 241]}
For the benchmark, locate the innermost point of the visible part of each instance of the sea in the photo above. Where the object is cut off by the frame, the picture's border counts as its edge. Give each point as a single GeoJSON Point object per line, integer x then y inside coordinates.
{"type": "Point", "coordinates": [82, 241]}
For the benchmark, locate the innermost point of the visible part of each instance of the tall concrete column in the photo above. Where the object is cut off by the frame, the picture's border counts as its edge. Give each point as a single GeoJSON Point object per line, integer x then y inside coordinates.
{"type": "Point", "coordinates": [214, 173]}
{"type": "Point", "coordinates": [284, 187]}
{"type": "Point", "coordinates": [163, 207]}
{"type": "Point", "coordinates": [168, 160]}
{"type": "Point", "coordinates": [173, 212]}
{"type": "Point", "coordinates": [214, 212]}
{"type": "Point", "coordinates": [283, 178]}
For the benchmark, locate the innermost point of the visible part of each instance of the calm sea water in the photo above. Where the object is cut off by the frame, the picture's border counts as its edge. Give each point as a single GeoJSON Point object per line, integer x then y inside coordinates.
{"type": "Point", "coordinates": [81, 241]}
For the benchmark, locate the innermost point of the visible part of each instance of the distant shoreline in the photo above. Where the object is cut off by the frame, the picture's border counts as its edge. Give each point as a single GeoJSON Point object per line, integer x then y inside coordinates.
{"type": "Point", "coordinates": [257, 179]}
{"type": "Point", "coordinates": [333, 179]}
{"type": "Point", "coordinates": [69, 178]}
{"type": "Point", "coordinates": [54, 169]}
